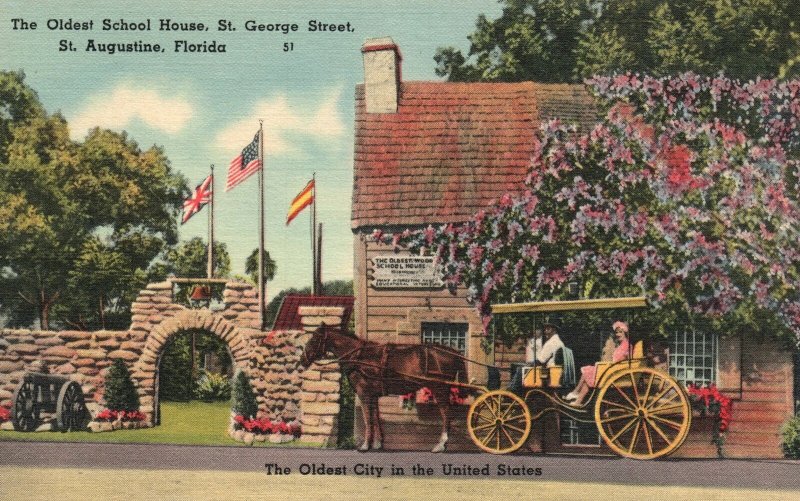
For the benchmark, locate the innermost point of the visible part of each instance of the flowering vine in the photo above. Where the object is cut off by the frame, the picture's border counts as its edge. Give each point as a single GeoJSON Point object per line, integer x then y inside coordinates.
{"type": "Point", "coordinates": [685, 192]}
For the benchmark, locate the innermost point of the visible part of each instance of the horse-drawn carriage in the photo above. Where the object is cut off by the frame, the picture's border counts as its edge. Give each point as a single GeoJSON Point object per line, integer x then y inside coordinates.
{"type": "Point", "coordinates": [640, 412]}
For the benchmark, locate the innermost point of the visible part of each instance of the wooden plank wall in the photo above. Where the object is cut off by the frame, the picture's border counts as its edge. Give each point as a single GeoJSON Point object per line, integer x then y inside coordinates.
{"type": "Point", "coordinates": [379, 310]}
{"type": "Point", "coordinates": [766, 403]}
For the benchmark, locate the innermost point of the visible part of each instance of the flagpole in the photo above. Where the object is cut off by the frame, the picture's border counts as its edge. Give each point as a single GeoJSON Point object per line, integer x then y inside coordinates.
{"type": "Point", "coordinates": [261, 288]}
{"type": "Point", "coordinates": [314, 257]}
{"type": "Point", "coordinates": [210, 269]}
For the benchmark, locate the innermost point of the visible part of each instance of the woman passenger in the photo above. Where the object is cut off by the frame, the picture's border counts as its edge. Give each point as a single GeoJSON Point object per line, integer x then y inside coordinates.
{"type": "Point", "coordinates": [589, 372]}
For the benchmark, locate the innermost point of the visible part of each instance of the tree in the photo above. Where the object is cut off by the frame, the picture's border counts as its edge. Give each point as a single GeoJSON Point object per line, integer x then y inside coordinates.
{"type": "Point", "coordinates": [120, 393]}
{"type": "Point", "coordinates": [71, 209]}
{"type": "Point", "coordinates": [567, 40]}
{"type": "Point", "coordinates": [687, 193]}
{"type": "Point", "coordinates": [251, 266]}
{"type": "Point", "coordinates": [243, 399]}
{"type": "Point", "coordinates": [190, 260]}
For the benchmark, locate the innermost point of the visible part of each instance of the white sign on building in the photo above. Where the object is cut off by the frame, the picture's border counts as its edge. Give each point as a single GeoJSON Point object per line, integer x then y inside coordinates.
{"type": "Point", "coordinates": [405, 272]}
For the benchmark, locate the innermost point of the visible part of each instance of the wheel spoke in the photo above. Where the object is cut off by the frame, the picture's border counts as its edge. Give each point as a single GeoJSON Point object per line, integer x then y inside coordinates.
{"type": "Point", "coordinates": [511, 440]}
{"type": "Point", "coordinates": [623, 430]}
{"type": "Point", "coordinates": [490, 402]}
{"type": "Point", "coordinates": [647, 437]}
{"type": "Point", "coordinates": [626, 407]}
{"type": "Point", "coordinates": [635, 437]}
{"type": "Point", "coordinates": [668, 422]}
{"type": "Point", "coordinates": [619, 390]}
{"type": "Point", "coordinates": [515, 428]}
{"type": "Point", "coordinates": [662, 410]}
{"type": "Point", "coordinates": [616, 418]}
{"type": "Point", "coordinates": [488, 419]}
{"type": "Point", "coordinates": [661, 395]}
{"type": "Point", "coordinates": [635, 389]}
{"type": "Point", "coordinates": [515, 417]}
{"type": "Point", "coordinates": [488, 436]}
{"type": "Point", "coordinates": [483, 427]}
{"type": "Point", "coordinates": [659, 430]}
{"type": "Point", "coordinates": [647, 391]}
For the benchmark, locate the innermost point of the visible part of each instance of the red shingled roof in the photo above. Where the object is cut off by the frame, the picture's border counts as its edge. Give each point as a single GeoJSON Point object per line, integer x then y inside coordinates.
{"type": "Point", "coordinates": [452, 148]}
{"type": "Point", "coordinates": [288, 317]}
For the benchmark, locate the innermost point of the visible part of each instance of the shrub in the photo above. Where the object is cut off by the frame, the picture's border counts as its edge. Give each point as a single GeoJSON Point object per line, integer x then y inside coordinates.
{"type": "Point", "coordinates": [120, 394]}
{"type": "Point", "coordinates": [5, 415]}
{"type": "Point", "coordinates": [212, 387]}
{"type": "Point", "coordinates": [791, 438]}
{"type": "Point", "coordinates": [244, 400]}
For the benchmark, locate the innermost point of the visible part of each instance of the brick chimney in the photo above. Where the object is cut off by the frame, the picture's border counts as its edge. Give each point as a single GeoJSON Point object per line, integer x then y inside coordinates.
{"type": "Point", "coordinates": [382, 62]}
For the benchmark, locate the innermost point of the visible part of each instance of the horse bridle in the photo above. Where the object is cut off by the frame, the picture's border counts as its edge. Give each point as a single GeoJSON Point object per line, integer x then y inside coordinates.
{"type": "Point", "coordinates": [318, 348]}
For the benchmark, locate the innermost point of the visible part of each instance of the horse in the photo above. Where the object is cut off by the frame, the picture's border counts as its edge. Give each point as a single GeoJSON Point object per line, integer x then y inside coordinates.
{"type": "Point", "coordinates": [377, 369]}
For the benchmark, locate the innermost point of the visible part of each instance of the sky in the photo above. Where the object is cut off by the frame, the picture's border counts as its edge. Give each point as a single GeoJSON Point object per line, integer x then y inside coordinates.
{"type": "Point", "coordinates": [203, 108]}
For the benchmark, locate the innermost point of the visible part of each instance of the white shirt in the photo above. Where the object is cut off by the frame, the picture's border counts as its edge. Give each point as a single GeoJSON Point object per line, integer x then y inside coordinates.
{"type": "Point", "coordinates": [534, 345]}
{"type": "Point", "coordinates": [546, 355]}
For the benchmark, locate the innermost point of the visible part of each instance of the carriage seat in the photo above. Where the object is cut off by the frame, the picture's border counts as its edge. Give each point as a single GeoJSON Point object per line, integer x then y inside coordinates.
{"type": "Point", "coordinates": [560, 375]}
{"type": "Point", "coordinates": [606, 369]}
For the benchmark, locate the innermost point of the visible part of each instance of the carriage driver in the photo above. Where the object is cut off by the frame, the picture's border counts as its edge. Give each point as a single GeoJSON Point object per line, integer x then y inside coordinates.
{"type": "Point", "coordinates": [540, 350]}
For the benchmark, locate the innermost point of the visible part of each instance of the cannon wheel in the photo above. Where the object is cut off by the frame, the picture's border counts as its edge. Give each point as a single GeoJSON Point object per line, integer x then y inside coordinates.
{"type": "Point", "coordinates": [71, 409]}
{"type": "Point", "coordinates": [26, 409]}
{"type": "Point", "coordinates": [642, 413]}
{"type": "Point", "coordinates": [499, 422]}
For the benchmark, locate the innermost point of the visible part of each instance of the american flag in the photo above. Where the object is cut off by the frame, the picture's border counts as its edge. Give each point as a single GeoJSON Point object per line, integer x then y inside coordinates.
{"type": "Point", "coordinates": [243, 165]}
{"type": "Point", "coordinates": [200, 197]}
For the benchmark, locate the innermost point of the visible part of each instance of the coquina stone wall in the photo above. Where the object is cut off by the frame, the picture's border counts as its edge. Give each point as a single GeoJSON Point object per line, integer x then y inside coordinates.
{"type": "Point", "coordinates": [320, 388]}
{"type": "Point", "coordinates": [271, 360]}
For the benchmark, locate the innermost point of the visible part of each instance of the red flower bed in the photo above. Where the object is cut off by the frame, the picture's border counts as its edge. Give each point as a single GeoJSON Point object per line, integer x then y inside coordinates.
{"type": "Point", "coordinates": [112, 415]}
{"type": "Point", "coordinates": [264, 426]}
{"type": "Point", "coordinates": [5, 415]}
{"type": "Point", "coordinates": [711, 399]}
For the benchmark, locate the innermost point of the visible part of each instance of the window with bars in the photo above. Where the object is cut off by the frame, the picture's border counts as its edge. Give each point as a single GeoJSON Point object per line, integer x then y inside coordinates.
{"type": "Point", "coordinates": [577, 433]}
{"type": "Point", "coordinates": [693, 358]}
{"type": "Point", "coordinates": [446, 334]}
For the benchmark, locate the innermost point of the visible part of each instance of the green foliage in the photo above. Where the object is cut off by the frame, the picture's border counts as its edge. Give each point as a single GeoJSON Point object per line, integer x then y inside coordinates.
{"type": "Point", "coordinates": [243, 399]}
{"type": "Point", "coordinates": [567, 40]}
{"type": "Point", "coordinates": [790, 433]}
{"type": "Point", "coordinates": [80, 222]}
{"type": "Point", "coordinates": [213, 387]}
{"type": "Point", "coordinates": [347, 402]}
{"type": "Point", "coordinates": [251, 266]}
{"type": "Point", "coordinates": [175, 381]}
{"type": "Point", "coordinates": [190, 260]}
{"type": "Point", "coordinates": [120, 393]}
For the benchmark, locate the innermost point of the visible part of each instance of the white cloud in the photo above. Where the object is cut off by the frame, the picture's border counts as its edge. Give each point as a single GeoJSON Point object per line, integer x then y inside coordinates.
{"type": "Point", "coordinates": [282, 117]}
{"type": "Point", "coordinates": [125, 103]}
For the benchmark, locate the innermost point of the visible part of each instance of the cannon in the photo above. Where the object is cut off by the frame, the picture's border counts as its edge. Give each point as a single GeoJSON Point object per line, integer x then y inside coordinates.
{"type": "Point", "coordinates": [45, 392]}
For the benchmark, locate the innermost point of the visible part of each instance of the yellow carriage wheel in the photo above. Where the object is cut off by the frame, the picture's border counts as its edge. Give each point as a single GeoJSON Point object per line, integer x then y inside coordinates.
{"type": "Point", "coordinates": [642, 413]}
{"type": "Point", "coordinates": [499, 422]}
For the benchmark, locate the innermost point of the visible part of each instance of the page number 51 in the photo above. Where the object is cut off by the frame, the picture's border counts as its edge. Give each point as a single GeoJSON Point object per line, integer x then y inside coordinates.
{"type": "Point", "coordinates": [288, 46]}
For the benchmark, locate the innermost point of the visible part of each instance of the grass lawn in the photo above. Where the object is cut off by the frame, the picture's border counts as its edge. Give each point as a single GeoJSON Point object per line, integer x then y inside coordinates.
{"type": "Point", "coordinates": [185, 423]}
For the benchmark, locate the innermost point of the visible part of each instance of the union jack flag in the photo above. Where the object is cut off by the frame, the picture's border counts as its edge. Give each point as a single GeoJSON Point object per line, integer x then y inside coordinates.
{"type": "Point", "coordinates": [244, 165]}
{"type": "Point", "coordinates": [200, 197]}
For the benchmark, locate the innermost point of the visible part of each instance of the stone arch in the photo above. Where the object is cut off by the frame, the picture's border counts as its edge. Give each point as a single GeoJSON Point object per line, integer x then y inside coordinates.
{"type": "Point", "coordinates": [157, 319]}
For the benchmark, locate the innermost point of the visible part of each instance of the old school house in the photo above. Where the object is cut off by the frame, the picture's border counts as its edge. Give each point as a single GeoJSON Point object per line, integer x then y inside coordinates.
{"type": "Point", "coordinates": [437, 152]}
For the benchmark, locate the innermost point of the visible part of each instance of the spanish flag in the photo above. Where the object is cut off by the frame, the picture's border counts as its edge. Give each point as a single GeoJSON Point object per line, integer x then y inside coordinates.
{"type": "Point", "coordinates": [301, 201]}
